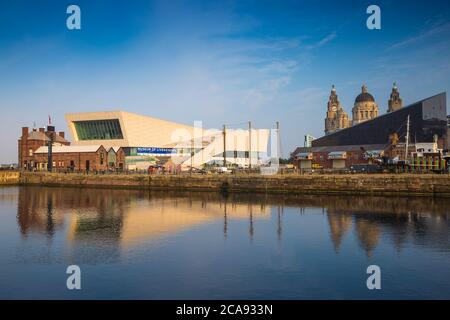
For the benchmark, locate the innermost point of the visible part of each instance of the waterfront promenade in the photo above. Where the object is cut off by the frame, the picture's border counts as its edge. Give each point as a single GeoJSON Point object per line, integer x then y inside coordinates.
{"type": "Point", "coordinates": [354, 184]}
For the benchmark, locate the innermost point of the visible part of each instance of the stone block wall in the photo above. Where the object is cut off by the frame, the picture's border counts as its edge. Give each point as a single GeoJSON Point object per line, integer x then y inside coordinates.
{"type": "Point", "coordinates": [373, 184]}
{"type": "Point", "coordinates": [9, 177]}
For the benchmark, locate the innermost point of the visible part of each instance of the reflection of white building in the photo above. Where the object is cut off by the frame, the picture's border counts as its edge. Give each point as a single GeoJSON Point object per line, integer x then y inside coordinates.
{"type": "Point", "coordinates": [143, 138]}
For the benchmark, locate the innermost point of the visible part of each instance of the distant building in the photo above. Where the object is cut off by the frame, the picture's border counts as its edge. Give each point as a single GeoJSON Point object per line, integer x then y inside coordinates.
{"type": "Point", "coordinates": [337, 118]}
{"type": "Point", "coordinates": [308, 140]}
{"type": "Point", "coordinates": [365, 107]}
{"type": "Point", "coordinates": [30, 141]}
{"type": "Point", "coordinates": [395, 102]}
{"type": "Point", "coordinates": [335, 157]}
{"type": "Point", "coordinates": [428, 117]}
{"type": "Point", "coordinates": [147, 140]}
{"type": "Point", "coordinates": [383, 135]}
{"type": "Point", "coordinates": [448, 133]}
{"type": "Point", "coordinates": [73, 158]}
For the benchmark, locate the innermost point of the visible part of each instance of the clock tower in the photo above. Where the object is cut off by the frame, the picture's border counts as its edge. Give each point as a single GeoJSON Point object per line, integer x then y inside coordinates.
{"type": "Point", "coordinates": [395, 102]}
{"type": "Point", "coordinates": [336, 118]}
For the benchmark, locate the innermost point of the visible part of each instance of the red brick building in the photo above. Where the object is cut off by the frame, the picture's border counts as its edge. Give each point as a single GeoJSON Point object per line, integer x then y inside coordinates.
{"type": "Point", "coordinates": [73, 158]}
{"type": "Point", "coordinates": [116, 158]}
{"type": "Point", "coordinates": [30, 141]}
{"type": "Point", "coordinates": [336, 157]}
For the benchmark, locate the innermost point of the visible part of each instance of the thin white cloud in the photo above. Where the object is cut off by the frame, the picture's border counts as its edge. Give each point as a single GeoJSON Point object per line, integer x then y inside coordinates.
{"type": "Point", "coordinates": [423, 36]}
{"type": "Point", "coordinates": [324, 41]}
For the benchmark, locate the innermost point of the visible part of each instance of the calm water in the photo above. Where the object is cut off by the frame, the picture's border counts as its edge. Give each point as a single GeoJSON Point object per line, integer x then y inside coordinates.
{"type": "Point", "coordinates": [142, 245]}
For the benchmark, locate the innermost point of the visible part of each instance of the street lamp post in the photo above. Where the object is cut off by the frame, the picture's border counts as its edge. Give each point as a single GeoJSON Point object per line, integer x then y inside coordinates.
{"type": "Point", "coordinates": [51, 136]}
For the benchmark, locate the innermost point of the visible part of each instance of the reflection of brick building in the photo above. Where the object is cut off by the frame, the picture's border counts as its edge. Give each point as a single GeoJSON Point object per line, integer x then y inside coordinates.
{"type": "Point", "coordinates": [29, 142]}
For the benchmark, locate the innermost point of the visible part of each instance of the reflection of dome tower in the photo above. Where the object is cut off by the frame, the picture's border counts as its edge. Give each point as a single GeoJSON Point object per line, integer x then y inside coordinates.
{"type": "Point", "coordinates": [339, 223]}
{"type": "Point", "coordinates": [368, 235]}
{"type": "Point", "coordinates": [365, 107]}
{"type": "Point", "coordinates": [336, 118]}
{"type": "Point", "coordinates": [395, 102]}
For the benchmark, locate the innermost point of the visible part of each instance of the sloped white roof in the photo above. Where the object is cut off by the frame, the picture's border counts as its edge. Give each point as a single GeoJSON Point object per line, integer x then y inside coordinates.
{"type": "Point", "coordinates": [69, 149]}
{"type": "Point", "coordinates": [137, 130]}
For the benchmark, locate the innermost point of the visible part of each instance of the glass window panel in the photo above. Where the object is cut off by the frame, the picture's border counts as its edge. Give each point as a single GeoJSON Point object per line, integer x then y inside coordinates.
{"type": "Point", "coordinates": [98, 129]}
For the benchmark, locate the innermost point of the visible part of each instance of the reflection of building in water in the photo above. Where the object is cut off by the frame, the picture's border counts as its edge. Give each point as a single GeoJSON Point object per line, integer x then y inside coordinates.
{"type": "Point", "coordinates": [340, 224]}
{"type": "Point", "coordinates": [147, 220]}
{"type": "Point", "coordinates": [368, 235]}
{"type": "Point", "coordinates": [421, 220]}
{"type": "Point", "coordinates": [36, 212]}
{"type": "Point", "coordinates": [112, 219]}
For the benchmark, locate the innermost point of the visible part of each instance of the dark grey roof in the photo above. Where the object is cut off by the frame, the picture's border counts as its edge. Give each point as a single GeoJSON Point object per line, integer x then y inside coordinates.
{"type": "Point", "coordinates": [389, 114]}
{"type": "Point", "coordinates": [367, 147]}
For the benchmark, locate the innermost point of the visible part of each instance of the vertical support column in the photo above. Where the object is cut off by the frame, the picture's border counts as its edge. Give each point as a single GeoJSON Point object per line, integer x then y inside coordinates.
{"type": "Point", "coordinates": [224, 146]}
{"type": "Point", "coordinates": [192, 155]}
{"type": "Point", "coordinates": [50, 135]}
{"type": "Point", "coordinates": [250, 145]}
{"type": "Point", "coordinates": [407, 139]}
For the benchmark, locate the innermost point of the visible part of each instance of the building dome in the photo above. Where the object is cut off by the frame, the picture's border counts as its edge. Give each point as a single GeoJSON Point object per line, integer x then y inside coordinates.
{"type": "Point", "coordinates": [365, 107]}
{"type": "Point", "coordinates": [364, 96]}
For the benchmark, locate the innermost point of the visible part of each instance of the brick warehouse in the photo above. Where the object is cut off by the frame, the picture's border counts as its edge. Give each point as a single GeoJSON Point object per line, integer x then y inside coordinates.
{"type": "Point", "coordinates": [30, 141]}
{"type": "Point", "coordinates": [33, 154]}
{"type": "Point", "coordinates": [71, 158]}
{"type": "Point", "coordinates": [335, 157]}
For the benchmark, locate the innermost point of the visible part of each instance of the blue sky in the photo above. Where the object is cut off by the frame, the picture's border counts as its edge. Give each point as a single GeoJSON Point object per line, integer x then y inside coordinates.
{"type": "Point", "coordinates": [215, 61]}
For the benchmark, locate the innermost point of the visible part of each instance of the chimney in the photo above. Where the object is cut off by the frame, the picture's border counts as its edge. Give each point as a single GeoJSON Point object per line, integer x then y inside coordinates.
{"type": "Point", "coordinates": [61, 134]}
{"type": "Point", "coordinates": [24, 132]}
{"type": "Point", "coordinates": [42, 130]}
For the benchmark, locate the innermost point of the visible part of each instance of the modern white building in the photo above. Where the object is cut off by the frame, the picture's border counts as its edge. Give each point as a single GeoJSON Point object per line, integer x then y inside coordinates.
{"type": "Point", "coordinates": [308, 141]}
{"type": "Point", "coordinates": [147, 140]}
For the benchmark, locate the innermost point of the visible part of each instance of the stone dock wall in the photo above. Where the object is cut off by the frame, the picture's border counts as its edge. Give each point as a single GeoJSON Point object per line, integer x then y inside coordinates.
{"type": "Point", "coordinates": [9, 177]}
{"type": "Point", "coordinates": [373, 184]}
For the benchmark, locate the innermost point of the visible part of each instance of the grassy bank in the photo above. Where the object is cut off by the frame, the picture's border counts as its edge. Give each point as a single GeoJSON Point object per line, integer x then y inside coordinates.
{"type": "Point", "coordinates": [373, 184]}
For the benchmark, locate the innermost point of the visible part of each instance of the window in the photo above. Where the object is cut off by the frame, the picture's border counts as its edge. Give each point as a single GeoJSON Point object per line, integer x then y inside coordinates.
{"type": "Point", "coordinates": [30, 152]}
{"type": "Point", "coordinates": [238, 154]}
{"type": "Point", "coordinates": [101, 158]}
{"type": "Point", "coordinates": [98, 129]}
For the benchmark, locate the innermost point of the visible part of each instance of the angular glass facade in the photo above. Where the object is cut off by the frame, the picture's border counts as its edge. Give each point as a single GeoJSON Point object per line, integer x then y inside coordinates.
{"type": "Point", "coordinates": [98, 130]}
